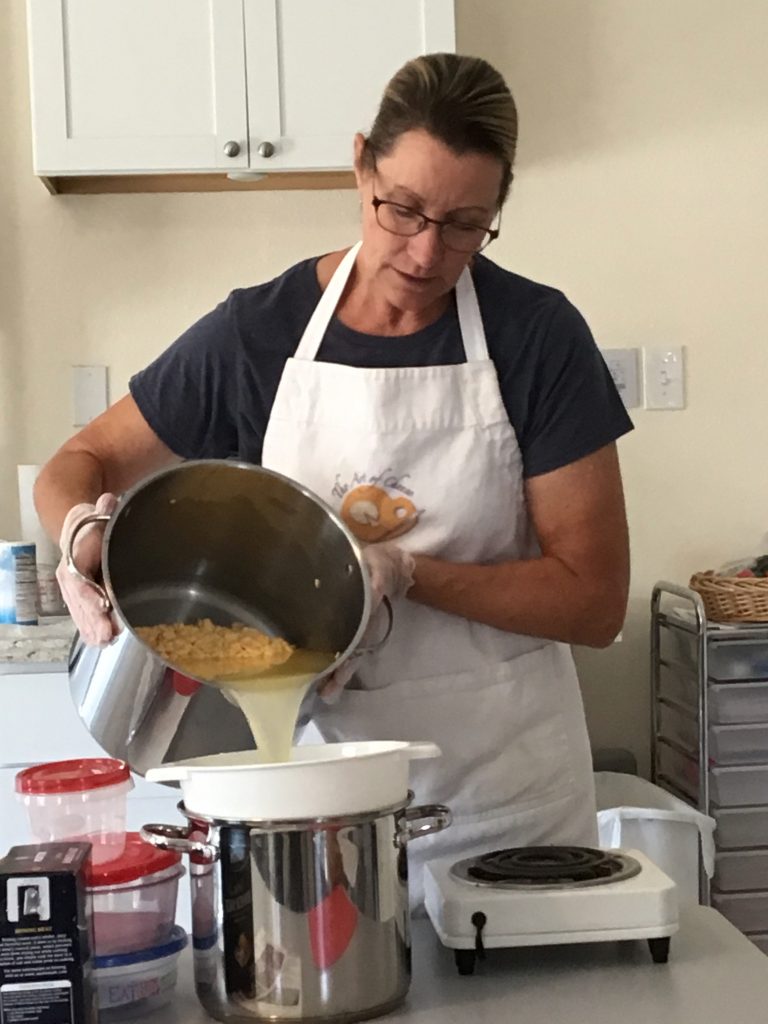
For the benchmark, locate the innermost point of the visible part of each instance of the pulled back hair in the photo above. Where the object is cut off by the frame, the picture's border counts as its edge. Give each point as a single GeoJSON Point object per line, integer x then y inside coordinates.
{"type": "Point", "coordinates": [462, 101]}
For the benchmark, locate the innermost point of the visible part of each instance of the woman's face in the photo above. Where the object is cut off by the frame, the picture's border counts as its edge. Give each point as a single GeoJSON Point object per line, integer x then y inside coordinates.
{"type": "Point", "coordinates": [413, 272]}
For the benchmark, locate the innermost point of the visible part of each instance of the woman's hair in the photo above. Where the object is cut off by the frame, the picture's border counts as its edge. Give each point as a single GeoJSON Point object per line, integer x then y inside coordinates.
{"type": "Point", "coordinates": [462, 101]}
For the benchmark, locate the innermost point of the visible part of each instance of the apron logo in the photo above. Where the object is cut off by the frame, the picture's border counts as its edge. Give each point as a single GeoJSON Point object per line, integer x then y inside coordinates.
{"type": "Point", "coordinates": [369, 509]}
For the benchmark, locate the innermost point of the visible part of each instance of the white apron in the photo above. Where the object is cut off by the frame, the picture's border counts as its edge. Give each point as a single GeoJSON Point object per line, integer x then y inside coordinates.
{"type": "Point", "coordinates": [428, 455]}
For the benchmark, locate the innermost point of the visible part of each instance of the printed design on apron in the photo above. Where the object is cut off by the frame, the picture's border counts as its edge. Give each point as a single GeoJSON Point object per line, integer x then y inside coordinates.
{"type": "Point", "coordinates": [377, 506]}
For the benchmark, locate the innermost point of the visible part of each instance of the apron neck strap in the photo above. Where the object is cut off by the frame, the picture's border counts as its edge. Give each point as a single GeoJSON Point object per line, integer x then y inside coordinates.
{"type": "Point", "coordinates": [467, 306]}
{"type": "Point", "coordinates": [313, 334]}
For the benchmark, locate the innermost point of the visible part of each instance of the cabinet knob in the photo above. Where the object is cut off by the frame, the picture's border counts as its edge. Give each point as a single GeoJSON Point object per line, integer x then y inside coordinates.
{"type": "Point", "coordinates": [232, 148]}
{"type": "Point", "coordinates": [266, 149]}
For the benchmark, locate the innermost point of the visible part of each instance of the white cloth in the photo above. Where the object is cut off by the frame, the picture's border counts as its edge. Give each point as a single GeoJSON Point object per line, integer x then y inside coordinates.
{"type": "Point", "coordinates": [505, 709]}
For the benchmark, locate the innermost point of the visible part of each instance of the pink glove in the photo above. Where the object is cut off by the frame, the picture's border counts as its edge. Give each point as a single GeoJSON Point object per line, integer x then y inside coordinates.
{"type": "Point", "coordinates": [86, 607]}
{"type": "Point", "coordinates": [390, 569]}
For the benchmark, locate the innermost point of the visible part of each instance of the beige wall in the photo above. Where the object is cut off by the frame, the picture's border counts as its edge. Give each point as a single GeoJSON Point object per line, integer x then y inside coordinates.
{"type": "Point", "coordinates": [641, 192]}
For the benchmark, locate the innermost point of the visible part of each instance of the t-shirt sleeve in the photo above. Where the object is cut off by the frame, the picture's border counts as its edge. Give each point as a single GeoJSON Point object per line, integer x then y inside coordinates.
{"type": "Point", "coordinates": [574, 408]}
{"type": "Point", "coordinates": [188, 395]}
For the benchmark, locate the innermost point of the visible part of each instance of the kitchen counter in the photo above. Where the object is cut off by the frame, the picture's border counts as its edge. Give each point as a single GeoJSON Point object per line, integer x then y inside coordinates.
{"type": "Point", "coordinates": [714, 976]}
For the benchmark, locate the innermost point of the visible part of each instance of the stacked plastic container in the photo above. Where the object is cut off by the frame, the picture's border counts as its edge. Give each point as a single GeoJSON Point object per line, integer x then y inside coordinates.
{"type": "Point", "coordinates": [711, 746]}
{"type": "Point", "coordinates": [132, 885]}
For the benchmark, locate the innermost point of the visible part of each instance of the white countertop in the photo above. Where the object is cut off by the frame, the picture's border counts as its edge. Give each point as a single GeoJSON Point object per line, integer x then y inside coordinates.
{"type": "Point", "coordinates": [714, 976]}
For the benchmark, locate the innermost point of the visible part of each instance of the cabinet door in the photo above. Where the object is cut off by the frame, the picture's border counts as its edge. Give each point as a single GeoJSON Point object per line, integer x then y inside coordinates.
{"type": "Point", "coordinates": [316, 71]}
{"type": "Point", "coordinates": [137, 85]}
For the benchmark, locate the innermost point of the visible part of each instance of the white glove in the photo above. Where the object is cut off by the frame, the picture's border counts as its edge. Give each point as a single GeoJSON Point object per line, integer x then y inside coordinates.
{"type": "Point", "coordinates": [86, 607]}
{"type": "Point", "coordinates": [390, 569]}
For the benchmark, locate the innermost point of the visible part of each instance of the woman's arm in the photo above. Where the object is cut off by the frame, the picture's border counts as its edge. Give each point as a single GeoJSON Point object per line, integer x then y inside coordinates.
{"type": "Point", "coordinates": [110, 454]}
{"type": "Point", "coordinates": [576, 591]}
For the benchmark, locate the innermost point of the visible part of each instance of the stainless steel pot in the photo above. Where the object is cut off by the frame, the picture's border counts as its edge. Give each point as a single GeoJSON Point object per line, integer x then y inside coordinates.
{"type": "Point", "coordinates": [302, 919]}
{"type": "Point", "coordinates": [212, 539]}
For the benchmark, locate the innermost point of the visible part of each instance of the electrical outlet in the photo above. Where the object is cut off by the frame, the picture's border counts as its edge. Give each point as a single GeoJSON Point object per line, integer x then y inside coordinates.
{"type": "Point", "coordinates": [664, 377]}
{"type": "Point", "coordinates": [622, 363]}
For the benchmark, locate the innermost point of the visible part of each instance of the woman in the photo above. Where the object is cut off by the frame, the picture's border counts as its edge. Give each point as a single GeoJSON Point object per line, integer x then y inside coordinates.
{"type": "Point", "coordinates": [462, 421]}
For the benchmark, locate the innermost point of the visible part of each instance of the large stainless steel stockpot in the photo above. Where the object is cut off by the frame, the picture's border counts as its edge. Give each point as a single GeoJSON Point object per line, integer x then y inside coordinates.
{"type": "Point", "coordinates": [212, 539]}
{"type": "Point", "coordinates": [301, 919]}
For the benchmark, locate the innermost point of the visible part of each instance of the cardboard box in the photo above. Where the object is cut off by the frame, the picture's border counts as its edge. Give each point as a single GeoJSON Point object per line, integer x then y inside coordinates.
{"type": "Point", "coordinates": [45, 936]}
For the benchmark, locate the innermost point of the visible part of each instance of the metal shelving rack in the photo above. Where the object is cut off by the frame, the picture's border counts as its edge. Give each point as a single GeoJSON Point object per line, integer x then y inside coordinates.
{"type": "Point", "coordinates": [704, 639]}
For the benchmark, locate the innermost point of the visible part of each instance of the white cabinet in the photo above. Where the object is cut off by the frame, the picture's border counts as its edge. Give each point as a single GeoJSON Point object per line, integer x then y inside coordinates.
{"type": "Point", "coordinates": [127, 86]}
{"type": "Point", "coordinates": [137, 85]}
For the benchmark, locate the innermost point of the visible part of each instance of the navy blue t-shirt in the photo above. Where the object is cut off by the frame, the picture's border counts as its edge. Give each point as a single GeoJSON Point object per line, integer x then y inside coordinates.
{"type": "Point", "coordinates": [210, 394]}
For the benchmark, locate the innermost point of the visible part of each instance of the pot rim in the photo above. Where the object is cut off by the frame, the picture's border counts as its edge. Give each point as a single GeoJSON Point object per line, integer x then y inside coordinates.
{"type": "Point", "coordinates": [297, 824]}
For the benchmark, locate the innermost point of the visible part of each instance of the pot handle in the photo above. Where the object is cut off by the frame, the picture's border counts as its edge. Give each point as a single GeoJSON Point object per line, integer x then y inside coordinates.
{"type": "Point", "coordinates": [423, 821]}
{"type": "Point", "coordinates": [177, 838]}
{"type": "Point", "coordinates": [371, 648]}
{"type": "Point", "coordinates": [72, 568]}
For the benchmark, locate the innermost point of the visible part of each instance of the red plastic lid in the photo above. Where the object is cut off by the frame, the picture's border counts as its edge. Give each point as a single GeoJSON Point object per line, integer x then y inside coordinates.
{"type": "Point", "coordinates": [137, 860]}
{"type": "Point", "coordinates": [72, 776]}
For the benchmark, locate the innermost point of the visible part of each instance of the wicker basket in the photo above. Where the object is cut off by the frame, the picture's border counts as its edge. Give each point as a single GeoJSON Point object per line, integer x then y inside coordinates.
{"type": "Point", "coordinates": [732, 598]}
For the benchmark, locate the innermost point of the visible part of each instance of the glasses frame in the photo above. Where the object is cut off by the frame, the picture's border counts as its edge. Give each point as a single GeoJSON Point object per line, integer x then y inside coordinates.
{"type": "Point", "coordinates": [376, 203]}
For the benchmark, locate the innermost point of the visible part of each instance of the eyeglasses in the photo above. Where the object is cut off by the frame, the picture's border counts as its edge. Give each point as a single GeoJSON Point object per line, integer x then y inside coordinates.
{"type": "Point", "coordinates": [454, 234]}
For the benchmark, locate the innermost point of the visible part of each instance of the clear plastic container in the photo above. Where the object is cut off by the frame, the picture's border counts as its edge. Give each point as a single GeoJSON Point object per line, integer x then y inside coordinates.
{"type": "Point", "coordinates": [134, 898]}
{"type": "Point", "coordinates": [738, 744]}
{"type": "Point", "coordinates": [81, 799]}
{"type": "Point", "coordinates": [741, 869]}
{"type": "Point", "coordinates": [740, 786]}
{"type": "Point", "coordinates": [681, 725]}
{"type": "Point", "coordinates": [682, 771]}
{"type": "Point", "coordinates": [728, 744]}
{"type": "Point", "coordinates": [747, 910]}
{"type": "Point", "coordinates": [133, 984]}
{"type": "Point", "coordinates": [740, 659]}
{"type": "Point", "coordinates": [735, 703]}
{"type": "Point", "coordinates": [741, 826]}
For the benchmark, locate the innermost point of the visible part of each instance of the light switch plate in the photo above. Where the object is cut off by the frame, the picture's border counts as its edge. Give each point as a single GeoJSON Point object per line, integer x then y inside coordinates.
{"type": "Point", "coordinates": [89, 393]}
{"type": "Point", "coordinates": [664, 377]}
{"type": "Point", "coordinates": [622, 363]}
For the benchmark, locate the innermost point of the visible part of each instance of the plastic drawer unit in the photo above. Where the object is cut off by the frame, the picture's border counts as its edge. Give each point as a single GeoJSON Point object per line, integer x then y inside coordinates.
{"type": "Point", "coordinates": [709, 686]}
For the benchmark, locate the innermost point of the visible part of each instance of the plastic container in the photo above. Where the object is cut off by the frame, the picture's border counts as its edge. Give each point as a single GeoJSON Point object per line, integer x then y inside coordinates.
{"type": "Point", "coordinates": [679, 684]}
{"type": "Point", "coordinates": [681, 725]}
{"type": "Point", "coordinates": [133, 984]}
{"type": "Point", "coordinates": [134, 898]}
{"type": "Point", "coordinates": [634, 814]}
{"type": "Point", "coordinates": [679, 769]}
{"type": "Point", "coordinates": [728, 744]}
{"type": "Point", "coordinates": [80, 799]}
{"type": "Point", "coordinates": [741, 869]}
{"type": "Point", "coordinates": [741, 826]}
{"type": "Point", "coordinates": [734, 703]}
{"type": "Point", "coordinates": [747, 910]}
{"type": "Point", "coordinates": [740, 786]}
{"type": "Point", "coordinates": [740, 659]}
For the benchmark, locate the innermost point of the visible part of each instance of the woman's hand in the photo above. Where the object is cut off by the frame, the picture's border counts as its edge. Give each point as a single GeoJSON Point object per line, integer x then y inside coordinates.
{"type": "Point", "coordinates": [390, 570]}
{"type": "Point", "coordinates": [85, 605]}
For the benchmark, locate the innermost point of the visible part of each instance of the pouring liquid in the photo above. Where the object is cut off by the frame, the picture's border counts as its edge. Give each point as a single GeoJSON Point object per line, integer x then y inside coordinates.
{"type": "Point", "coordinates": [270, 698]}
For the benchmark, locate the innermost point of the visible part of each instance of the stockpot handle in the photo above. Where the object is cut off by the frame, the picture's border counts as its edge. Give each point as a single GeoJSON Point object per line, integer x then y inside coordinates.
{"type": "Point", "coordinates": [176, 838]}
{"type": "Point", "coordinates": [371, 648]}
{"type": "Point", "coordinates": [423, 821]}
{"type": "Point", "coordinates": [72, 568]}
